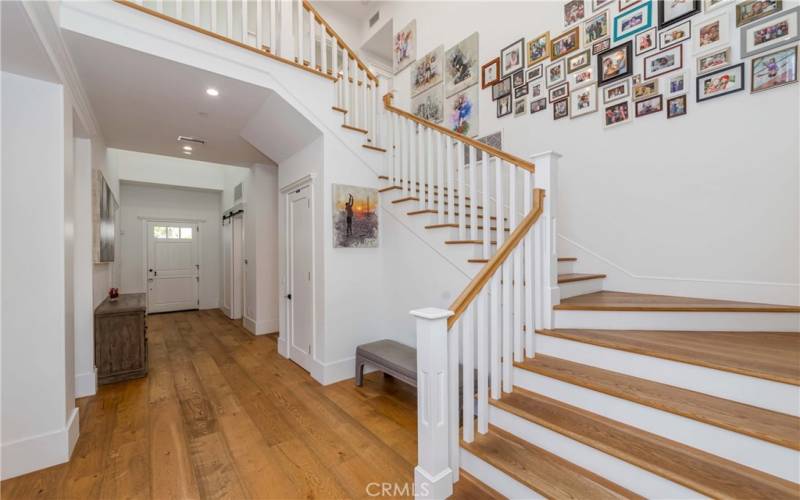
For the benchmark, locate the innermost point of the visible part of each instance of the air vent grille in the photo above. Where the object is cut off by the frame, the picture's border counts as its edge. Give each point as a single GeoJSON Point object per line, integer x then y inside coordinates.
{"type": "Point", "coordinates": [237, 192]}
{"type": "Point", "coordinates": [374, 19]}
{"type": "Point", "coordinates": [194, 140]}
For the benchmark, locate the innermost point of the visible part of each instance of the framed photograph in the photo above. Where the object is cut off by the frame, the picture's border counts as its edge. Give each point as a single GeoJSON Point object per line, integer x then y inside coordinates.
{"type": "Point", "coordinates": [645, 42]}
{"type": "Point", "coordinates": [674, 34]}
{"type": "Point", "coordinates": [556, 73]}
{"type": "Point", "coordinates": [649, 106]}
{"type": "Point", "coordinates": [574, 11]}
{"type": "Point", "coordinates": [538, 105]}
{"type": "Point", "coordinates": [564, 43]}
{"type": "Point", "coordinates": [599, 4]}
{"type": "Point", "coordinates": [709, 5]}
{"type": "Point", "coordinates": [560, 109]}
{"type": "Point", "coordinates": [775, 69]}
{"type": "Point", "coordinates": [518, 79]}
{"type": "Point", "coordinates": [539, 48]}
{"type": "Point", "coordinates": [615, 63]}
{"type": "Point", "coordinates": [559, 92]}
{"type": "Point", "coordinates": [720, 82]}
{"type": "Point", "coordinates": [633, 21]}
{"type": "Point", "coordinates": [627, 4]}
{"type": "Point", "coordinates": [504, 106]}
{"type": "Point", "coordinates": [645, 90]}
{"type": "Point", "coordinates": [579, 61]}
{"type": "Point", "coordinates": [490, 73]}
{"type": "Point", "coordinates": [461, 112]}
{"type": "Point", "coordinates": [461, 65]}
{"type": "Point", "coordinates": [753, 10]}
{"type": "Point", "coordinates": [359, 230]}
{"type": "Point", "coordinates": [663, 62]}
{"type": "Point", "coordinates": [595, 28]}
{"type": "Point", "coordinates": [501, 88]}
{"type": "Point", "coordinates": [672, 12]}
{"type": "Point", "coordinates": [428, 71]}
{"type": "Point", "coordinates": [520, 91]}
{"type": "Point", "coordinates": [676, 106]}
{"type": "Point", "coordinates": [583, 101]}
{"type": "Point", "coordinates": [676, 85]}
{"type": "Point", "coordinates": [429, 105]}
{"type": "Point", "coordinates": [601, 46]}
{"type": "Point", "coordinates": [617, 114]}
{"type": "Point", "coordinates": [581, 78]}
{"type": "Point", "coordinates": [534, 73]}
{"type": "Point", "coordinates": [780, 29]}
{"type": "Point", "coordinates": [404, 47]}
{"type": "Point", "coordinates": [495, 139]}
{"type": "Point", "coordinates": [512, 58]}
{"type": "Point", "coordinates": [535, 89]}
{"type": "Point", "coordinates": [713, 60]}
{"type": "Point", "coordinates": [616, 91]}
{"type": "Point", "coordinates": [637, 79]}
{"type": "Point", "coordinates": [519, 107]}
{"type": "Point", "coordinates": [711, 34]}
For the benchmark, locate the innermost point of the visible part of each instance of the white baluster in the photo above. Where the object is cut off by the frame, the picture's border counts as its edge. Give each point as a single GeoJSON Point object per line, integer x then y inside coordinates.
{"type": "Point", "coordinates": [312, 40]}
{"type": "Point", "coordinates": [160, 5]}
{"type": "Point", "coordinates": [462, 209]}
{"type": "Point", "coordinates": [196, 12]}
{"type": "Point", "coordinates": [441, 167]}
{"type": "Point", "coordinates": [273, 27]}
{"type": "Point", "coordinates": [214, 16]}
{"type": "Point", "coordinates": [348, 117]}
{"type": "Point", "coordinates": [473, 194]}
{"type": "Point", "coordinates": [528, 259]}
{"type": "Point", "coordinates": [413, 160]}
{"type": "Point", "coordinates": [495, 333]}
{"type": "Point", "coordinates": [453, 379]}
{"type": "Point", "coordinates": [300, 33]}
{"type": "Point", "coordinates": [229, 17]}
{"type": "Point", "coordinates": [516, 283]}
{"type": "Point", "coordinates": [498, 199]}
{"type": "Point", "coordinates": [393, 148]}
{"type": "Point", "coordinates": [483, 361]}
{"type": "Point", "coordinates": [508, 351]}
{"type": "Point", "coordinates": [335, 63]}
{"type": "Point", "coordinates": [422, 135]}
{"type": "Point", "coordinates": [519, 314]}
{"type": "Point", "coordinates": [430, 166]}
{"type": "Point", "coordinates": [259, 25]}
{"type": "Point", "coordinates": [468, 360]}
{"type": "Point", "coordinates": [487, 220]}
{"type": "Point", "coordinates": [547, 179]}
{"type": "Point", "coordinates": [245, 27]}
{"type": "Point", "coordinates": [179, 9]}
{"type": "Point", "coordinates": [451, 186]}
{"type": "Point", "coordinates": [324, 52]}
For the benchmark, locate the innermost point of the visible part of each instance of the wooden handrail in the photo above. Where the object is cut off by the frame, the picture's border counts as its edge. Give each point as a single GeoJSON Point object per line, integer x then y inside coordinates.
{"type": "Point", "coordinates": [387, 102]}
{"type": "Point", "coordinates": [313, 11]}
{"type": "Point", "coordinates": [482, 278]}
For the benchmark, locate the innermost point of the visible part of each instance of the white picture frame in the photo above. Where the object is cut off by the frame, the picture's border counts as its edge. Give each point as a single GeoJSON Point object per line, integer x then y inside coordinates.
{"type": "Point", "coordinates": [711, 34]}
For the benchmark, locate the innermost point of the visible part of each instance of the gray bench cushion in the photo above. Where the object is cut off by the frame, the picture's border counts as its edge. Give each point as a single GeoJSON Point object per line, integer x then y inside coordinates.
{"type": "Point", "coordinates": [391, 357]}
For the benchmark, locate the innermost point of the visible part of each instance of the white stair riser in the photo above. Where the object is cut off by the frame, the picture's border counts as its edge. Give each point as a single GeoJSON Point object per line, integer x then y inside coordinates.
{"type": "Point", "coordinates": [566, 267]}
{"type": "Point", "coordinates": [767, 394]}
{"type": "Point", "coordinates": [690, 321]}
{"type": "Point", "coordinates": [494, 478]}
{"type": "Point", "coordinates": [615, 470]}
{"type": "Point", "coordinates": [575, 288]}
{"type": "Point", "coordinates": [762, 455]}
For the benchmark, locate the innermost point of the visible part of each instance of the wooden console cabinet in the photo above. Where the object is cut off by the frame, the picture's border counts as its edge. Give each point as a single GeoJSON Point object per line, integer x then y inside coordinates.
{"type": "Point", "coordinates": [120, 338]}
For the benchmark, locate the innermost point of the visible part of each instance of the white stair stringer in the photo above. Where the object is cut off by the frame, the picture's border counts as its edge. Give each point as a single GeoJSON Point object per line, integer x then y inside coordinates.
{"type": "Point", "coordinates": [494, 478]}
{"type": "Point", "coordinates": [677, 320]}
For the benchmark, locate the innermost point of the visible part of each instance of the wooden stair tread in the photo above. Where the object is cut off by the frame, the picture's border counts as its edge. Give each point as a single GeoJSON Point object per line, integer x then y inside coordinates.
{"type": "Point", "coordinates": [373, 148]}
{"type": "Point", "coordinates": [690, 467]}
{"type": "Point", "coordinates": [540, 470]}
{"type": "Point", "coordinates": [355, 129]}
{"type": "Point", "coordinates": [431, 211]}
{"type": "Point", "coordinates": [479, 261]}
{"type": "Point", "coordinates": [572, 277]}
{"type": "Point", "coordinates": [623, 301]}
{"type": "Point", "coordinates": [778, 428]}
{"type": "Point", "coordinates": [767, 355]}
{"type": "Point", "coordinates": [567, 259]}
{"type": "Point", "coordinates": [468, 487]}
{"type": "Point", "coordinates": [340, 110]}
{"type": "Point", "coordinates": [467, 242]}
{"type": "Point", "coordinates": [388, 188]}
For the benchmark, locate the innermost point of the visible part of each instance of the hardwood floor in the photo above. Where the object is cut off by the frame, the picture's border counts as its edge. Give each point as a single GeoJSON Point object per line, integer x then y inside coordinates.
{"type": "Point", "coordinates": [222, 415]}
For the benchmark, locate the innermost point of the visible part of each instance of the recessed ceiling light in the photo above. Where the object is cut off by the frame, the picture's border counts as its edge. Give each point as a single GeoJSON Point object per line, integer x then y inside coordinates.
{"type": "Point", "coordinates": [187, 148]}
{"type": "Point", "coordinates": [212, 92]}
{"type": "Point", "coordinates": [187, 152]}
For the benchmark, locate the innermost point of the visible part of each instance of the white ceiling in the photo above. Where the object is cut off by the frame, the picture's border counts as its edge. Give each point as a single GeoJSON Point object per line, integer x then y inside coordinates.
{"type": "Point", "coordinates": [143, 103]}
{"type": "Point", "coordinates": [22, 53]}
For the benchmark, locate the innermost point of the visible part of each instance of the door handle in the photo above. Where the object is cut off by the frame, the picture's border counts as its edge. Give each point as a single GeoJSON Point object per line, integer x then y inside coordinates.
{"type": "Point", "coordinates": [289, 296]}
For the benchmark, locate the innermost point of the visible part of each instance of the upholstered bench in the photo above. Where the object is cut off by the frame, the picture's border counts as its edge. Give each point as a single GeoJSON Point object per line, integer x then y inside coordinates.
{"type": "Point", "coordinates": [388, 356]}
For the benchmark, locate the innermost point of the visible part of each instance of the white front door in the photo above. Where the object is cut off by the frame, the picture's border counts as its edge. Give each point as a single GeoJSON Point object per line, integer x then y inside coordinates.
{"type": "Point", "coordinates": [173, 269]}
{"type": "Point", "coordinates": [300, 294]}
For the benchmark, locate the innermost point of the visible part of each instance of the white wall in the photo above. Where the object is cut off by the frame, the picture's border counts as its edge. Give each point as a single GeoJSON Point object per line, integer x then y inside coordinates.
{"type": "Point", "coordinates": [159, 169]}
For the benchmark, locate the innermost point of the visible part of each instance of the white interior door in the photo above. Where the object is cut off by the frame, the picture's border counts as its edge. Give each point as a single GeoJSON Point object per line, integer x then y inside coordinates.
{"type": "Point", "coordinates": [173, 269]}
{"type": "Point", "coordinates": [237, 298]}
{"type": "Point", "coordinates": [227, 266]}
{"type": "Point", "coordinates": [300, 293]}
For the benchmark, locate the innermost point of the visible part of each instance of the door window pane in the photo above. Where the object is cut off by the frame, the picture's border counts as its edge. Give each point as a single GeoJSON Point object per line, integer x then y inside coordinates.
{"type": "Point", "coordinates": [186, 233]}
{"type": "Point", "coordinates": [173, 233]}
{"type": "Point", "coordinates": [159, 232]}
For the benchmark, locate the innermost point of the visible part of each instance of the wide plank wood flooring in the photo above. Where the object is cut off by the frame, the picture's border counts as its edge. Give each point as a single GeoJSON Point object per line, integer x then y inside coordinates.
{"type": "Point", "coordinates": [222, 415]}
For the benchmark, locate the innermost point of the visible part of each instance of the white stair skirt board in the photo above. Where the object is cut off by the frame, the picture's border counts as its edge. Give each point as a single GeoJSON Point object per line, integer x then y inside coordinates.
{"type": "Point", "coordinates": [762, 455]}
{"type": "Point", "coordinates": [694, 321]}
{"type": "Point", "coordinates": [615, 470]}
{"type": "Point", "coordinates": [775, 396]}
{"type": "Point", "coordinates": [494, 478]}
{"type": "Point", "coordinates": [575, 288]}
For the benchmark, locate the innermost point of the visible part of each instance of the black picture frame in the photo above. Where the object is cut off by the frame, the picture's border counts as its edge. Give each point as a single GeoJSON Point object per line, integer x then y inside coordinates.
{"type": "Point", "coordinates": [696, 8]}
{"type": "Point", "coordinates": [510, 104]}
{"type": "Point", "coordinates": [520, 91]}
{"type": "Point", "coordinates": [497, 89]}
{"type": "Point", "coordinates": [518, 78]}
{"type": "Point", "coordinates": [739, 66]}
{"type": "Point", "coordinates": [628, 47]}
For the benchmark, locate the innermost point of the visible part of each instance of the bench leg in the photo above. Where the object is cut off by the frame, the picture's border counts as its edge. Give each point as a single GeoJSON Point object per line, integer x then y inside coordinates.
{"type": "Point", "coordinates": [359, 372]}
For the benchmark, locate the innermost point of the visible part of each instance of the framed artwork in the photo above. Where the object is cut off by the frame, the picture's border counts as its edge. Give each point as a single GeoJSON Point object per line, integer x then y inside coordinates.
{"type": "Point", "coordinates": [645, 90]}
{"type": "Point", "coordinates": [461, 112]}
{"type": "Point", "coordinates": [675, 34]}
{"type": "Point", "coordinates": [512, 58]}
{"type": "Point", "coordinates": [556, 73]}
{"type": "Point", "coordinates": [615, 63]}
{"type": "Point", "coordinates": [519, 107]}
{"type": "Point", "coordinates": [637, 79]}
{"type": "Point", "coordinates": [649, 106]}
{"type": "Point", "coordinates": [780, 29]}
{"type": "Point", "coordinates": [711, 34]}
{"type": "Point", "coordinates": [676, 85]}
{"type": "Point", "coordinates": [583, 101]}
{"type": "Point", "coordinates": [645, 42]}
{"type": "Point", "coordinates": [599, 4]}
{"type": "Point", "coordinates": [579, 61]}
{"type": "Point", "coordinates": [429, 105]}
{"type": "Point", "coordinates": [616, 91]}
{"type": "Point", "coordinates": [504, 106]}
{"type": "Point", "coordinates": [671, 12]}
{"type": "Point", "coordinates": [104, 209]}
{"type": "Point", "coordinates": [539, 48]}
{"type": "Point", "coordinates": [518, 79]}
{"type": "Point", "coordinates": [494, 139]}
{"type": "Point", "coordinates": [713, 60]}
{"type": "Point", "coordinates": [564, 43]}
{"type": "Point", "coordinates": [501, 88]}
{"type": "Point", "coordinates": [574, 11]}
{"type": "Point", "coordinates": [355, 217]}
{"type": "Point", "coordinates": [404, 47]}
{"type": "Point", "coordinates": [663, 62]}
{"type": "Point", "coordinates": [626, 4]}
{"type": "Point", "coordinates": [535, 89]}
{"type": "Point", "coordinates": [582, 77]}
{"type": "Point", "coordinates": [617, 114]}
{"type": "Point", "coordinates": [775, 69]}
{"type": "Point", "coordinates": [633, 21]}
{"type": "Point", "coordinates": [720, 82]}
{"type": "Point", "coordinates": [560, 109]}
{"type": "Point", "coordinates": [461, 65]}
{"type": "Point", "coordinates": [520, 91]}
{"type": "Point", "coordinates": [559, 92]}
{"type": "Point", "coordinates": [676, 106]}
{"type": "Point", "coordinates": [709, 5]}
{"type": "Point", "coordinates": [595, 28]}
{"type": "Point", "coordinates": [538, 105]}
{"type": "Point", "coordinates": [601, 46]}
{"type": "Point", "coordinates": [753, 10]}
{"type": "Point", "coordinates": [428, 71]}
{"type": "Point", "coordinates": [490, 73]}
{"type": "Point", "coordinates": [534, 73]}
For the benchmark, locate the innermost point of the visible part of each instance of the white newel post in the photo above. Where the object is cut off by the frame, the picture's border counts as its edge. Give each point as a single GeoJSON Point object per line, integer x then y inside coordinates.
{"type": "Point", "coordinates": [547, 178]}
{"type": "Point", "coordinates": [433, 477]}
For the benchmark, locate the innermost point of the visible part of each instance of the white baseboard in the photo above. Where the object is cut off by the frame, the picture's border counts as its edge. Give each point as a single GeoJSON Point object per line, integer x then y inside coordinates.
{"type": "Point", "coordinates": [260, 327]}
{"type": "Point", "coordinates": [41, 451]}
{"type": "Point", "coordinates": [226, 311]}
{"type": "Point", "coordinates": [336, 371]}
{"type": "Point", "coordinates": [86, 384]}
